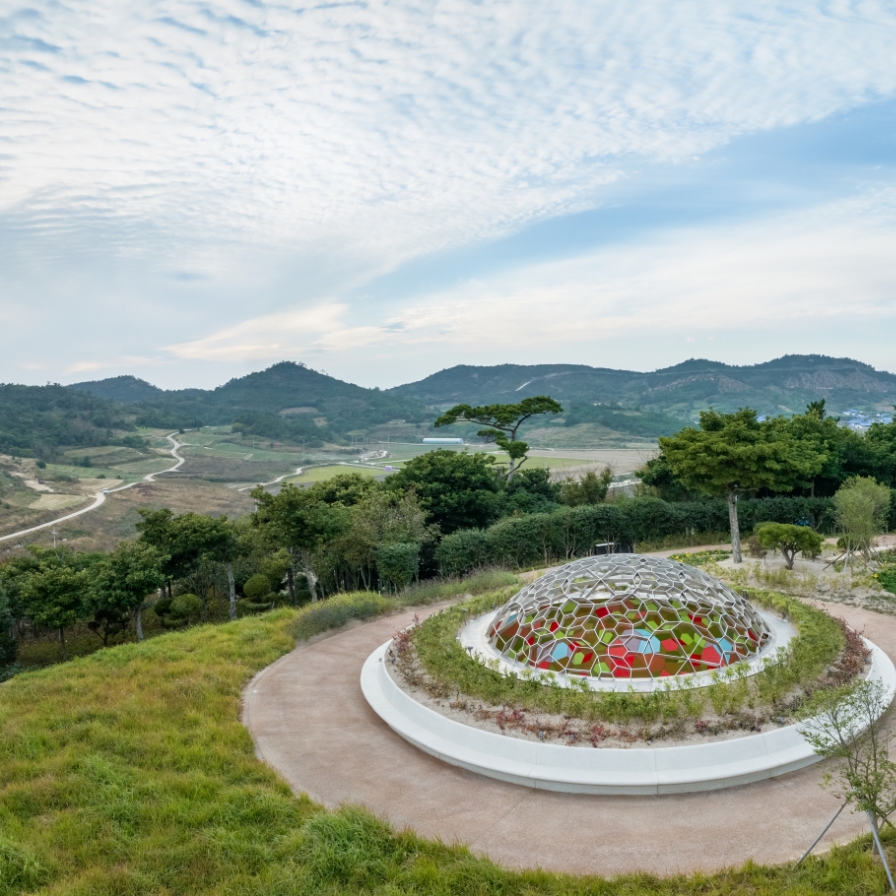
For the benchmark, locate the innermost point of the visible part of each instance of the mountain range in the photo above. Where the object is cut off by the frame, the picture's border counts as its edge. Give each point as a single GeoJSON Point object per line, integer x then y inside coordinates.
{"type": "Point", "coordinates": [784, 385]}
{"type": "Point", "coordinates": [292, 402]}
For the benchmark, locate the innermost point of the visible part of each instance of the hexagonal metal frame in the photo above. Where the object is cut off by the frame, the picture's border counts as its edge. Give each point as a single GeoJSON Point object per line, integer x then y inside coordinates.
{"type": "Point", "coordinates": [624, 616]}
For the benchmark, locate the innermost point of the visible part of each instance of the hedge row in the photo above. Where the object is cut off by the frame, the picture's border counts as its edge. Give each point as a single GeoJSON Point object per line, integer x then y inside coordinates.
{"type": "Point", "coordinates": [573, 531]}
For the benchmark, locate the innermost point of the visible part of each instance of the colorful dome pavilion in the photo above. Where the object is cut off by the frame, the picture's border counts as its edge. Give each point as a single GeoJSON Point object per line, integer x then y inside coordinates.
{"type": "Point", "coordinates": [627, 616]}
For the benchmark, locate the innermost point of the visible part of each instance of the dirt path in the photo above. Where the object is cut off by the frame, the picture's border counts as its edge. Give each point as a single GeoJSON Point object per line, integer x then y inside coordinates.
{"type": "Point", "coordinates": [100, 497]}
{"type": "Point", "coordinates": [311, 723]}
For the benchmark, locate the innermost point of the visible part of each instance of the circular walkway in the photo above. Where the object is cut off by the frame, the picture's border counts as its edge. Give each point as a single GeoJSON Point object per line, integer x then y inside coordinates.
{"type": "Point", "coordinates": [311, 722]}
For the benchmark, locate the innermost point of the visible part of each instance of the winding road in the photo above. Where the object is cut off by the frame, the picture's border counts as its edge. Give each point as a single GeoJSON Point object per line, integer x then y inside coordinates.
{"type": "Point", "coordinates": [246, 488]}
{"type": "Point", "coordinates": [100, 496]}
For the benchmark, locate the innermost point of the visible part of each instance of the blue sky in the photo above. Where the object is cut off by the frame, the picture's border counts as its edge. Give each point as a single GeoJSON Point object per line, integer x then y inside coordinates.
{"type": "Point", "coordinates": [192, 190]}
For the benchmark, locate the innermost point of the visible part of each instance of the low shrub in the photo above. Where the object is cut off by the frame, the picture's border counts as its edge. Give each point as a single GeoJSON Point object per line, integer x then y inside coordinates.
{"type": "Point", "coordinates": [886, 577]}
{"type": "Point", "coordinates": [701, 558]}
{"type": "Point", "coordinates": [339, 610]}
{"type": "Point", "coordinates": [435, 591]}
{"type": "Point", "coordinates": [343, 608]}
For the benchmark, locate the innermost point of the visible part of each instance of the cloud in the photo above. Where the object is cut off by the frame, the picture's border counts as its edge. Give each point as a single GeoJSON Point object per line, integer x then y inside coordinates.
{"type": "Point", "coordinates": [110, 363]}
{"type": "Point", "coordinates": [802, 268]}
{"type": "Point", "coordinates": [185, 165]}
{"type": "Point", "coordinates": [827, 269]}
{"type": "Point", "coordinates": [271, 337]}
{"type": "Point", "coordinates": [395, 131]}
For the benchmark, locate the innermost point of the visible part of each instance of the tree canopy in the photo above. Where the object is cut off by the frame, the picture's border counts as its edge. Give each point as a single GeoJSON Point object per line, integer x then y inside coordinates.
{"type": "Point", "coordinates": [861, 506]}
{"type": "Point", "coordinates": [502, 423]}
{"type": "Point", "coordinates": [731, 453]}
{"type": "Point", "coordinates": [456, 489]}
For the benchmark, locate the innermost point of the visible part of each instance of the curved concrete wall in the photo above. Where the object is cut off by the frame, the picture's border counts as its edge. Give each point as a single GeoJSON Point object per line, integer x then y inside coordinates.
{"type": "Point", "coordinates": [633, 771]}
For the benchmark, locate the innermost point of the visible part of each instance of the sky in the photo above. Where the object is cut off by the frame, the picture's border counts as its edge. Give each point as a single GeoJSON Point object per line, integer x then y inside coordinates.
{"type": "Point", "coordinates": [190, 191]}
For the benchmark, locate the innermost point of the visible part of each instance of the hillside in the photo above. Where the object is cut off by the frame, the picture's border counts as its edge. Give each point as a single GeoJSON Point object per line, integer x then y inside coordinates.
{"type": "Point", "coordinates": [291, 402]}
{"type": "Point", "coordinates": [122, 389]}
{"type": "Point", "coordinates": [784, 385]}
{"type": "Point", "coordinates": [288, 401]}
{"type": "Point", "coordinates": [36, 420]}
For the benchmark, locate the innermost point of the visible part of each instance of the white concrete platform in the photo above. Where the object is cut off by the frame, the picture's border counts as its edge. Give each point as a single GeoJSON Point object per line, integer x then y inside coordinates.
{"type": "Point", "coordinates": [603, 770]}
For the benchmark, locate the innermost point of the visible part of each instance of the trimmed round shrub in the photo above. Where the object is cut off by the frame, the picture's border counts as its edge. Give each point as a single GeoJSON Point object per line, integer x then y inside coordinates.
{"type": "Point", "coordinates": [257, 587]}
{"type": "Point", "coordinates": [186, 605]}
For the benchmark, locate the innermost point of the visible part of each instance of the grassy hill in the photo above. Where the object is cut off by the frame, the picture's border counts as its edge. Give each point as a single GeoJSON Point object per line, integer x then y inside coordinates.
{"type": "Point", "coordinates": [129, 772]}
{"type": "Point", "coordinates": [784, 385]}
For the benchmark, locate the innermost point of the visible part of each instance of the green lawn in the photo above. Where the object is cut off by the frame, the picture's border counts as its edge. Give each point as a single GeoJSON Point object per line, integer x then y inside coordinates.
{"type": "Point", "coordinates": [93, 472]}
{"type": "Point", "coordinates": [320, 474]}
{"type": "Point", "coordinates": [128, 772]}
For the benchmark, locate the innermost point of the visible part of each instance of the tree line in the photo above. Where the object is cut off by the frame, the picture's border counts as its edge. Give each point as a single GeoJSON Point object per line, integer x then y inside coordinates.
{"type": "Point", "coordinates": [728, 455]}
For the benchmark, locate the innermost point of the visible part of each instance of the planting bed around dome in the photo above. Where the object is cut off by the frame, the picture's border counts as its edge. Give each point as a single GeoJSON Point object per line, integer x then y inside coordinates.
{"type": "Point", "coordinates": [553, 689]}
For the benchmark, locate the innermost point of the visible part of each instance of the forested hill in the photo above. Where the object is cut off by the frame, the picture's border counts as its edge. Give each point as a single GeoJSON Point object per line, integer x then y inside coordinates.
{"type": "Point", "coordinates": [37, 420]}
{"type": "Point", "coordinates": [123, 389]}
{"type": "Point", "coordinates": [785, 385]}
{"type": "Point", "coordinates": [291, 402]}
{"type": "Point", "coordinates": [286, 401]}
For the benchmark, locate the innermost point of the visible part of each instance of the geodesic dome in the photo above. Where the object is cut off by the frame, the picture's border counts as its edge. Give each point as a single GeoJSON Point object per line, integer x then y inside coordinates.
{"type": "Point", "coordinates": [627, 616]}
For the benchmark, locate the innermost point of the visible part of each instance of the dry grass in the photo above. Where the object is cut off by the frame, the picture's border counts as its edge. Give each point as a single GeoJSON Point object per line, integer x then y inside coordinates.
{"type": "Point", "coordinates": [103, 528]}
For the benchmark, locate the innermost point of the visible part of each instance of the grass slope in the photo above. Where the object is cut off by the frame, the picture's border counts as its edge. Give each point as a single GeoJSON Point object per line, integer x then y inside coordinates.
{"type": "Point", "coordinates": [128, 772]}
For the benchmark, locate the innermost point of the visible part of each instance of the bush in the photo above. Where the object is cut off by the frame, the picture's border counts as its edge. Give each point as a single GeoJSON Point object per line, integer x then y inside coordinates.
{"type": "Point", "coordinates": [186, 606]}
{"type": "Point", "coordinates": [176, 611]}
{"type": "Point", "coordinates": [462, 552]}
{"type": "Point", "coordinates": [532, 539]}
{"type": "Point", "coordinates": [397, 564]}
{"type": "Point", "coordinates": [256, 587]}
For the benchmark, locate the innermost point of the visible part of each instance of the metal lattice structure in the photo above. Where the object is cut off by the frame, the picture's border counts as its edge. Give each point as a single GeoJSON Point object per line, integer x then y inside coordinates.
{"type": "Point", "coordinates": [627, 616]}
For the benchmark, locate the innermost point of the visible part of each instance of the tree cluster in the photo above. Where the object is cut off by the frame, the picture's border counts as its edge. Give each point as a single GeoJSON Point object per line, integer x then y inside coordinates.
{"type": "Point", "coordinates": [728, 455]}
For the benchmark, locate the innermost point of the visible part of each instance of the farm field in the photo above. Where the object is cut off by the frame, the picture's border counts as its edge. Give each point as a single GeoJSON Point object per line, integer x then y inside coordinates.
{"type": "Point", "coordinates": [103, 528]}
{"type": "Point", "coordinates": [623, 460]}
{"type": "Point", "coordinates": [328, 471]}
{"type": "Point", "coordinates": [219, 471]}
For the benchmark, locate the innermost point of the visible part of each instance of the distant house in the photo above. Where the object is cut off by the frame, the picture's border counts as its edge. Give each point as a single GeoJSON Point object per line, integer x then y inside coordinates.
{"type": "Point", "coordinates": [443, 441]}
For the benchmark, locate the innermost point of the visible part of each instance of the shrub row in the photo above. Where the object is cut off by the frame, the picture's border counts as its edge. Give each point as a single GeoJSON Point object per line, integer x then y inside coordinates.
{"type": "Point", "coordinates": [572, 531]}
